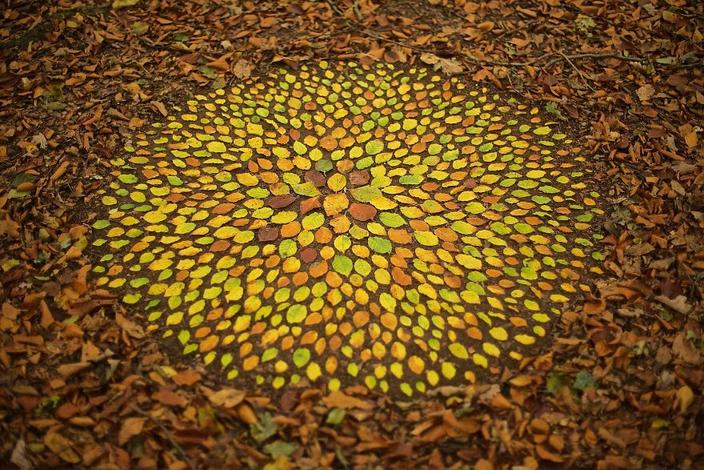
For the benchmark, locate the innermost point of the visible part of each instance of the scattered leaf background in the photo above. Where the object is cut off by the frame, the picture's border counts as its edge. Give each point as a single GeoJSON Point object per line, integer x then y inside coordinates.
{"type": "Point", "coordinates": [619, 387]}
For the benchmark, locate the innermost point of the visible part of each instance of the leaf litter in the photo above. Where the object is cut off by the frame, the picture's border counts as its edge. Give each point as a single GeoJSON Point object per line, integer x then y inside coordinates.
{"type": "Point", "coordinates": [620, 383]}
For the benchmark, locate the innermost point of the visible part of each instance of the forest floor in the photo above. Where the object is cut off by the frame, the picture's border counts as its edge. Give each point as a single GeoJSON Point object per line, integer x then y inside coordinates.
{"type": "Point", "coordinates": [616, 381]}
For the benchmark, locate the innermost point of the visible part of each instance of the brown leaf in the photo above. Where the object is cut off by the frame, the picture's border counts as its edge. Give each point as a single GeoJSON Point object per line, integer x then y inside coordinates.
{"type": "Point", "coordinates": [19, 456]}
{"type": "Point", "coordinates": [9, 227]}
{"type": "Point", "coordinates": [220, 63]}
{"type": "Point", "coordinates": [309, 204]}
{"type": "Point", "coordinates": [691, 139]}
{"type": "Point", "coordinates": [46, 319]}
{"type": "Point", "coordinates": [340, 400]}
{"type": "Point", "coordinates": [684, 349]}
{"type": "Point", "coordinates": [167, 397]}
{"type": "Point", "coordinates": [486, 26]}
{"type": "Point", "coordinates": [645, 92]}
{"type": "Point", "coordinates": [130, 327]}
{"type": "Point", "coordinates": [130, 427]}
{"type": "Point", "coordinates": [246, 413]}
{"type": "Point", "coordinates": [267, 234]}
{"type": "Point", "coordinates": [545, 454]}
{"type": "Point", "coordinates": [678, 304]}
{"type": "Point", "coordinates": [483, 464]}
{"type": "Point", "coordinates": [362, 212]}
{"type": "Point", "coordinates": [61, 446]}
{"type": "Point", "coordinates": [226, 397]}
{"type": "Point", "coordinates": [67, 370]}
{"type": "Point", "coordinates": [242, 69]}
{"type": "Point", "coordinates": [281, 201]}
{"type": "Point", "coordinates": [187, 377]}
{"type": "Point", "coordinates": [447, 66]}
{"type": "Point", "coordinates": [160, 107]}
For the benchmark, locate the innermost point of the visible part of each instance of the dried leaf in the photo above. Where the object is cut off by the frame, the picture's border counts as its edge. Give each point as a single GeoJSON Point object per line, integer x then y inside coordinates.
{"type": "Point", "coordinates": [447, 66]}
{"type": "Point", "coordinates": [227, 397]}
{"type": "Point", "coordinates": [130, 427]}
{"type": "Point", "coordinates": [61, 446]}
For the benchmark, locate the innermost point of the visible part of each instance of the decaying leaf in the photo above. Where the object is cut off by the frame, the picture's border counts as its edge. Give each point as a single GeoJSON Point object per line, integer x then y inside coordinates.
{"type": "Point", "coordinates": [130, 428]}
{"type": "Point", "coordinates": [61, 446]}
{"type": "Point", "coordinates": [227, 397]}
{"type": "Point", "coordinates": [448, 66]}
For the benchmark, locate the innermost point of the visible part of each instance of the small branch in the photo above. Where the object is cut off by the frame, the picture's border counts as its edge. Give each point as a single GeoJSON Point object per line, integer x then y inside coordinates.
{"type": "Point", "coordinates": [357, 12]}
{"type": "Point", "coordinates": [334, 8]}
{"type": "Point", "coordinates": [168, 435]}
{"type": "Point", "coordinates": [594, 56]}
{"type": "Point", "coordinates": [164, 47]}
{"type": "Point", "coordinates": [569, 61]}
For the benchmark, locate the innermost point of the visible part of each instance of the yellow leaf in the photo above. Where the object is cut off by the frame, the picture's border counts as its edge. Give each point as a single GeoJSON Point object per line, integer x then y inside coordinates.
{"type": "Point", "coordinates": [685, 397]}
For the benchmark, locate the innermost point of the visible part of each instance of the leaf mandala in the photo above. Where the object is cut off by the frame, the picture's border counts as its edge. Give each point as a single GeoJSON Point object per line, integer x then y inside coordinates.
{"type": "Point", "coordinates": [348, 223]}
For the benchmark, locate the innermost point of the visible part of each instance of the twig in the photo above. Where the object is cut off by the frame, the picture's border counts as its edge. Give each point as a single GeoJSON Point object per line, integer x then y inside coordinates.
{"type": "Point", "coordinates": [164, 47]}
{"type": "Point", "coordinates": [355, 9]}
{"type": "Point", "coordinates": [168, 434]}
{"type": "Point", "coordinates": [334, 8]}
{"type": "Point", "coordinates": [569, 61]}
{"type": "Point", "coordinates": [594, 56]}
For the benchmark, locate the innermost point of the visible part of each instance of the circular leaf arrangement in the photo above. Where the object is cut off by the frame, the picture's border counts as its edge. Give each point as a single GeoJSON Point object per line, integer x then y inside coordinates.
{"type": "Point", "coordinates": [348, 224]}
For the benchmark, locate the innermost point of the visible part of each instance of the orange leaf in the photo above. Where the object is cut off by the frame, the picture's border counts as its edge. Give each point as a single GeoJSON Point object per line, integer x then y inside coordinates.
{"type": "Point", "coordinates": [130, 427]}
{"type": "Point", "coordinates": [340, 400]}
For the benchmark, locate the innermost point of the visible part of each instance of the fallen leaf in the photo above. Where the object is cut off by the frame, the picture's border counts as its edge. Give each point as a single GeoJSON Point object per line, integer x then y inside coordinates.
{"type": "Point", "coordinates": [130, 427]}
{"type": "Point", "coordinates": [679, 303]}
{"type": "Point", "coordinates": [684, 349]}
{"type": "Point", "coordinates": [119, 4]}
{"type": "Point", "coordinates": [61, 446]}
{"type": "Point", "coordinates": [685, 396]}
{"type": "Point", "coordinates": [19, 456]}
{"type": "Point", "coordinates": [340, 400]}
{"type": "Point", "coordinates": [130, 327]}
{"type": "Point", "coordinates": [447, 66]}
{"type": "Point", "coordinates": [645, 92]}
{"type": "Point", "coordinates": [168, 397]}
{"type": "Point", "coordinates": [187, 377]}
{"type": "Point", "coordinates": [242, 69]}
{"type": "Point", "coordinates": [227, 397]}
{"type": "Point", "coordinates": [67, 370]}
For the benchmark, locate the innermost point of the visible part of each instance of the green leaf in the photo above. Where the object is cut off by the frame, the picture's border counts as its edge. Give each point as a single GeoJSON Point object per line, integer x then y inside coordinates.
{"type": "Point", "coordinates": [379, 245]}
{"type": "Point", "coordinates": [556, 382]}
{"type": "Point", "coordinates": [410, 180]}
{"type": "Point", "coordinates": [391, 219]}
{"type": "Point", "coordinates": [583, 380]}
{"type": "Point", "coordinates": [301, 356]}
{"type": "Point", "coordinates": [280, 448]}
{"type": "Point", "coordinates": [208, 72]}
{"type": "Point", "coordinates": [307, 189]}
{"type": "Point", "coordinates": [554, 109]}
{"type": "Point", "coordinates": [335, 416]}
{"type": "Point", "coordinates": [323, 165]}
{"type": "Point", "coordinates": [287, 248]}
{"type": "Point", "coordinates": [264, 428]}
{"type": "Point", "coordinates": [365, 193]}
{"type": "Point", "coordinates": [174, 180]}
{"type": "Point", "coordinates": [342, 264]}
{"type": "Point", "coordinates": [127, 178]}
{"type": "Point", "coordinates": [374, 147]}
{"type": "Point", "coordinates": [101, 224]}
{"type": "Point", "coordinates": [434, 149]}
{"type": "Point", "coordinates": [296, 313]}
